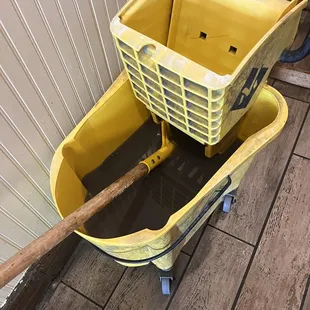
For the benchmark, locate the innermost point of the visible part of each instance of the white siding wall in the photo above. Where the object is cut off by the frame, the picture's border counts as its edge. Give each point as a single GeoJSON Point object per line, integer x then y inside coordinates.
{"type": "Point", "coordinates": [57, 58]}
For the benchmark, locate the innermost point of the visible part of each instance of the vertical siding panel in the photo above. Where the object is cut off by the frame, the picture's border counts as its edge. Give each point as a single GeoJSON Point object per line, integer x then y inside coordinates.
{"type": "Point", "coordinates": [24, 92]}
{"type": "Point", "coordinates": [8, 247]}
{"type": "Point", "coordinates": [32, 18]}
{"type": "Point", "coordinates": [36, 37]}
{"type": "Point", "coordinates": [83, 25]}
{"type": "Point", "coordinates": [121, 3]}
{"type": "Point", "coordinates": [17, 110]}
{"type": "Point", "coordinates": [57, 59]}
{"type": "Point", "coordinates": [7, 125]}
{"type": "Point", "coordinates": [14, 220]}
{"type": "Point", "coordinates": [91, 34]}
{"type": "Point", "coordinates": [4, 292]}
{"type": "Point", "coordinates": [17, 233]}
{"type": "Point", "coordinates": [19, 151]}
{"type": "Point", "coordinates": [75, 35]}
{"type": "Point", "coordinates": [112, 9]}
{"type": "Point", "coordinates": [16, 115]}
{"type": "Point", "coordinates": [14, 32]}
{"type": "Point", "coordinates": [61, 42]}
{"type": "Point", "coordinates": [16, 210]}
{"type": "Point", "coordinates": [42, 179]}
{"type": "Point", "coordinates": [106, 40]}
{"type": "Point", "coordinates": [34, 203]}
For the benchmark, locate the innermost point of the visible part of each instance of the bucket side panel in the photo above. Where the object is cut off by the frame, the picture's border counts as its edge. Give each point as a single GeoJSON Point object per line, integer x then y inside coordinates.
{"type": "Point", "coordinates": [116, 120]}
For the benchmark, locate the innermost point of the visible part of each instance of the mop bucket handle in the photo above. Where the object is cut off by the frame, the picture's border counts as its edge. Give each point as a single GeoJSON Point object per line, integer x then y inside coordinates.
{"type": "Point", "coordinates": [298, 54]}
{"type": "Point", "coordinates": [205, 209]}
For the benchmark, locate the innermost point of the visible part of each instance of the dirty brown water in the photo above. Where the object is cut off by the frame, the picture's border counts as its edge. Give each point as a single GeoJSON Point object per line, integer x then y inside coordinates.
{"type": "Point", "coordinates": [152, 200]}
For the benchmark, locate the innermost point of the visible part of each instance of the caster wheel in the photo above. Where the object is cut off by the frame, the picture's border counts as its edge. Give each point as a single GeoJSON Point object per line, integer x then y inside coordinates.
{"type": "Point", "coordinates": [165, 286]}
{"type": "Point", "coordinates": [228, 201]}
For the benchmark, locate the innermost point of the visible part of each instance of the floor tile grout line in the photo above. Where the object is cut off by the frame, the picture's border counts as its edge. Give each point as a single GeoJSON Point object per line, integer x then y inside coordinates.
{"type": "Point", "coordinates": [230, 235]}
{"type": "Point", "coordinates": [57, 279]}
{"type": "Point", "coordinates": [297, 99]}
{"type": "Point", "coordinates": [301, 156]}
{"type": "Point", "coordinates": [190, 259]}
{"type": "Point", "coordinates": [307, 291]}
{"type": "Point", "coordinates": [66, 266]}
{"type": "Point", "coordinates": [287, 96]}
{"type": "Point", "coordinates": [191, 255]}
{"type": "Point", "coordinates": [268, 214]}
{"type": "Point", "coordinates": [272, 83]}
{"type": "Point", "coordinates": [118, 282]}
{"type": "Point", "coordinates": [177, 286]}
{"type": "Point", "coordinates": [185, 253]}
{"type": "Point", "coordinates": [290, 97]}
{"type": "Point", "coordinates": [244, 278]}
{"type": "Point", "coordinates": [83, 295]}
{"type": "Point", "coordinates": [284, 173]}
{"type": "Point", "coordinates": [71, 261]}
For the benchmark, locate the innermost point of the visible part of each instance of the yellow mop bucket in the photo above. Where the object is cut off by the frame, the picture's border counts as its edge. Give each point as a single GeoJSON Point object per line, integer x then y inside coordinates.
{"type": "Point", "coordinates": [107, 126]}
{"type": "Point", "coordinates": [201, 64]}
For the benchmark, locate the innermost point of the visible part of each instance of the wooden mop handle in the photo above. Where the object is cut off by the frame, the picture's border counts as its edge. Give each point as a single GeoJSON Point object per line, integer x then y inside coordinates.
{"type": "Point", "coordinates": [37, 248]}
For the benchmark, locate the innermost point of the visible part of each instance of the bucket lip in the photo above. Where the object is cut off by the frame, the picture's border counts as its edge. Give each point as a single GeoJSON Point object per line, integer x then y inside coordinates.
{"type": "Point", "coordinates": [247, 150]}
{"type": "Point", "coordinates": [207, 78]}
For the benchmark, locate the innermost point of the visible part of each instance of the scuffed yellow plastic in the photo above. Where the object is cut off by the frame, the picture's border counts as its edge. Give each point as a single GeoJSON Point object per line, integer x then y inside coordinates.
{"type": "Point", "coordinates": [118, 115]}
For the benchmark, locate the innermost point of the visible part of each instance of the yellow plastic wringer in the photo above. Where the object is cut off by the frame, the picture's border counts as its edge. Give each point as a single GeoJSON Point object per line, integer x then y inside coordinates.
{"type": "Point", "coordinates": [202, 67]}
{"type": "Point", "coordinates": [201, 64]}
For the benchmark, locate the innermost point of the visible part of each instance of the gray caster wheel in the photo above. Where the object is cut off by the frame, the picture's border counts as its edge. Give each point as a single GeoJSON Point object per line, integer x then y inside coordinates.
{"type": "Point", "coordinates": [165, 286]}
{"type": "Point", "coordinates": [166, 277]}
{"type": "Point", "coordinates": [227, 202]}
